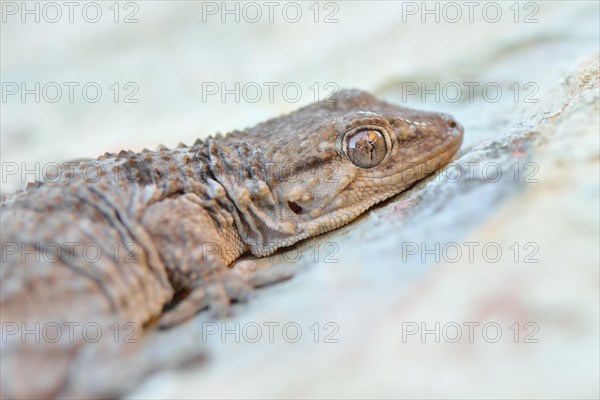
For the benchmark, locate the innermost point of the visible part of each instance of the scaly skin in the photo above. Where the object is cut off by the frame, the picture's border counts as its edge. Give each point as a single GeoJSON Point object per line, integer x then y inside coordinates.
{"type": "Point", "coordinates": [170, 222]}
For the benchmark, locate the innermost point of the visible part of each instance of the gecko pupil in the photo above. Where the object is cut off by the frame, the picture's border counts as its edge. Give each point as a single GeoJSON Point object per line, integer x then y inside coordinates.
{"type": "Point", "coordinates": [366, 148]}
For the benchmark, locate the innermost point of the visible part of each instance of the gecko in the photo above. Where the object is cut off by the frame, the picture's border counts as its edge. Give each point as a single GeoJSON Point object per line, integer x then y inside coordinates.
{"type": "Point", "coordinates": [149, 237]}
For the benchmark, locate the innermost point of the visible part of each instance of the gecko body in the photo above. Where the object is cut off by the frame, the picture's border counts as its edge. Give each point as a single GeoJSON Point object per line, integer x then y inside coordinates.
{"type": "Point", "coordinates": [164, 226]}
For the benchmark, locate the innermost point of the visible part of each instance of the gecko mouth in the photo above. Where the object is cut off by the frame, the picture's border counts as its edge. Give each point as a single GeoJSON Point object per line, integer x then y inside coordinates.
{"type": "Point", "coordinates": [441, 154]}
{"type": "Point", "coordinates": [420, 168]}
{"type": "Point", "coordinates": [426, 167]}
{"type": "Point", "coordinates": [347, 214]}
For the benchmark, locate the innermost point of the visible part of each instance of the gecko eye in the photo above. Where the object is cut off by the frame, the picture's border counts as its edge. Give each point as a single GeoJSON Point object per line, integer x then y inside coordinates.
{"type": "Point", "coordinates": [366, 148]}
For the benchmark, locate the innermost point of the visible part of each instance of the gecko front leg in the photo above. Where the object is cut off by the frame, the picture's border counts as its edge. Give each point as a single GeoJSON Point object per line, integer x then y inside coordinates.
{"type": "Point", "coordinates": [197, 251]}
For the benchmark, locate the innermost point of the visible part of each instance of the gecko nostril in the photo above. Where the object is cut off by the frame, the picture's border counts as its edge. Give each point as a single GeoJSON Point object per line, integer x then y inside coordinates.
{"type": "Point", "coordinates": [454, 127]}
{"type": "Point", "coordinates": [451, 123]}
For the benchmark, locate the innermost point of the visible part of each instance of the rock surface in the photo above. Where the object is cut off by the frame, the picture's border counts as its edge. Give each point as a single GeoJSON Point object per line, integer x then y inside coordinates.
{"type": "Point", "coordinates": [504, 242]}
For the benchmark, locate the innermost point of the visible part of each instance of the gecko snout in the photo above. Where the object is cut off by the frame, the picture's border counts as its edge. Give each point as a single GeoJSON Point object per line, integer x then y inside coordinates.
{"type": "Point", "coordinates": [453, 126]}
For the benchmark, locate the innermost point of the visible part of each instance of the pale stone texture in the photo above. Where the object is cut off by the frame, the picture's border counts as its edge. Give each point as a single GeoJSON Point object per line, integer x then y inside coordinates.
{"type": "Point", "coordinates": [374, 291]}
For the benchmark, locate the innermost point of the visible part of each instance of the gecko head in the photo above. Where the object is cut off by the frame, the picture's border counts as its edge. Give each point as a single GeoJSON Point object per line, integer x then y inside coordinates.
{"type": "Point", "coordinates": [334, 159]}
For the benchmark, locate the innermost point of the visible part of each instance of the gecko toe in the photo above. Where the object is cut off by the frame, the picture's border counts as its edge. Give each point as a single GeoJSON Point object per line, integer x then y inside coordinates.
{"type": "Point", "coordinates": [269, 276]}
{"type": "Point", "coordinates": [187, 308]}
{"type": "Point", "coordinates": [219, 303]}
{"type": "Point", "coordinates": [239, 290]}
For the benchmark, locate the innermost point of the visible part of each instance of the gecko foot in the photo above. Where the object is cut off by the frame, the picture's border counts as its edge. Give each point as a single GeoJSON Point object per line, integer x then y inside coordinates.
{"type": "Point", "coordinates": [216, 295]}
{"type": "Point", "coordinates": [269, 276]}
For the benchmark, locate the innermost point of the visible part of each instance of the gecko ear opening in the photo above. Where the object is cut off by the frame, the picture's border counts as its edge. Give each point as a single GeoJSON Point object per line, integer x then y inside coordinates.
{"type": "Point", "coordinates": [295, 207]}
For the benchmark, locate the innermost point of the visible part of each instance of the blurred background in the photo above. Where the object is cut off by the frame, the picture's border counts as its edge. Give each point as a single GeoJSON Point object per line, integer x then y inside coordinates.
{"type": "Point", "coordinates": [379, 314]}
